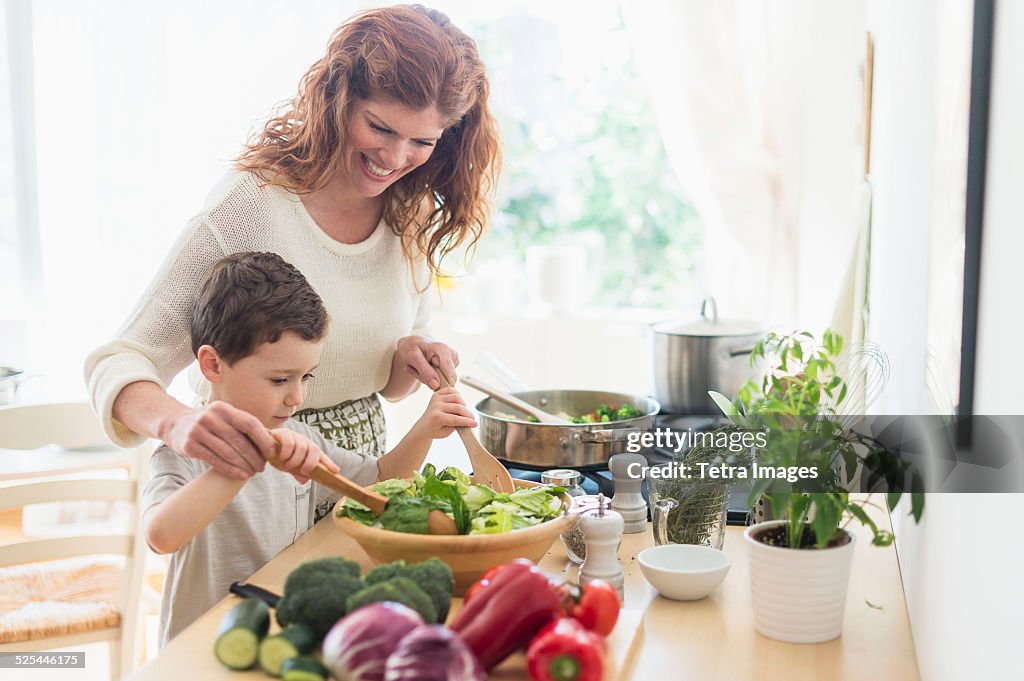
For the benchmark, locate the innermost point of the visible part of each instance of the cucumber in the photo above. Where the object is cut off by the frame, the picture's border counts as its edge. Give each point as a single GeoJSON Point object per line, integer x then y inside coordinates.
{"type": "Point", "coordinates": [238, 638]}
{"type": "Point", "coordinates": [292, 641]}
{"type": "Point", "coordinates": [303, 668]}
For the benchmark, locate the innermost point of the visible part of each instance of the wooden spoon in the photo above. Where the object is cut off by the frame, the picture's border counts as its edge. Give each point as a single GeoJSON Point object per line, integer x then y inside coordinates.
{"type": "Point", "coordinates": [438, 521]}
{"type": "Point", "coordinates": [486, 469]}
{"type": "Point", "coordinates": [515, 402]}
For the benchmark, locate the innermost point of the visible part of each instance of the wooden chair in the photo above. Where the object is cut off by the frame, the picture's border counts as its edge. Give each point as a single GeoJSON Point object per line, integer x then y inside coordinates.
{"type": "Point", "coordinates": [58, 593]}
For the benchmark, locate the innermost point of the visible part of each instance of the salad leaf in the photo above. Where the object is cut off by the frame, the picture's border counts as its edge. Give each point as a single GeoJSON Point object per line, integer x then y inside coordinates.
{"type": "Point", "coordinates": [357, 512]}
{"type": "Point", "coordinates": [476, 509]}
{"type": "Point", "coordinates": [393, 487]}
{"type": "Point", "coordinates": [478, 496]}
{"type": "Point", "coordinates": [537, 501]}
{"type": "Point", "coordinates": [492, 523]}
{"type": "Point", "coordinates": [409, 514]}
{"type": "Point", "coordinates": [453, 474]}
{"type": "Point", "coordinates": [447, 492]}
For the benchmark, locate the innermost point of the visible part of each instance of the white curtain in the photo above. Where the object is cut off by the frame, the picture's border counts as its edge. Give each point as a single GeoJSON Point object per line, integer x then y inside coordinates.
{"type": "Point", "coordinates": [140, 107]}
{"type": "Point", "coordinates": [760, 106]}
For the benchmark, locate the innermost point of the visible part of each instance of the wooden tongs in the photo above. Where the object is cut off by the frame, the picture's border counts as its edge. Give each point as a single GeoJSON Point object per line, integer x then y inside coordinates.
{"type": "Point", "coordinates": [438, 521]}
{"type": "Point", "coordinates": [486, 469]}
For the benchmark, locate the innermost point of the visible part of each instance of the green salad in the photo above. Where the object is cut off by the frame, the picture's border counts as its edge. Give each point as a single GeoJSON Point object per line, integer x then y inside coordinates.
{"type": "Point", "coordinates": [476, 509]}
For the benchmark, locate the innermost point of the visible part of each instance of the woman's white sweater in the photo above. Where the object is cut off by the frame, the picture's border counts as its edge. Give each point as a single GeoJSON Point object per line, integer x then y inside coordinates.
{"type": "Point", "coordinates": [367, 289]}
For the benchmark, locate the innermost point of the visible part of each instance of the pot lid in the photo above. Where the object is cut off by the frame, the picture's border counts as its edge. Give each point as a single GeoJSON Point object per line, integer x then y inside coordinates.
{"type": "Point", "coordinates": [709, 324]}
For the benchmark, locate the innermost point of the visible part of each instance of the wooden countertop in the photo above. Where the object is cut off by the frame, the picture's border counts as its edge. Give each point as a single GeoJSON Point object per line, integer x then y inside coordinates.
{"type": "Point", "coordinates": [709, 639]}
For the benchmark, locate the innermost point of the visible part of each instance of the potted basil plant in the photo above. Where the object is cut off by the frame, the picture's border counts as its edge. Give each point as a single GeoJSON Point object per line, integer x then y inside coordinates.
{"type": "Point", "coordinates": [800, 563]}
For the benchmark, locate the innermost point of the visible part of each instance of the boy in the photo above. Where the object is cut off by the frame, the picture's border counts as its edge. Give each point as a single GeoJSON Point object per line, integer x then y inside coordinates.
{"type": "Point", "coordinates": [257, 333]}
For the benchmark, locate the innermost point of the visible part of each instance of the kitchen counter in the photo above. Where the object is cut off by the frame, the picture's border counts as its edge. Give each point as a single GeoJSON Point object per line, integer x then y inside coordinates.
{"type": "Point", "coordinates": [713, 638]}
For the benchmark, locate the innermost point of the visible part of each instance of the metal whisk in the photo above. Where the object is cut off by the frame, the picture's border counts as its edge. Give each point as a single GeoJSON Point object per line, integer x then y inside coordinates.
{"type": "Point", "coordinates": [865, 369]}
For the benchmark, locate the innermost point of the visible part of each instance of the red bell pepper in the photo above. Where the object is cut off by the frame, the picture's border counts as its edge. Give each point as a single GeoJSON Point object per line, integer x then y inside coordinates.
{"type": "Point", "coordinates": [565, 651]}
{"type": "Point", "coordinates": [507, 611]}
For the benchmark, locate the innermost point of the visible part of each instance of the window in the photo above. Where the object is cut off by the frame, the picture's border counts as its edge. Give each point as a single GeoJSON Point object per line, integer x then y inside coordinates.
{"type": "Point", "coordinates": [589, 211]}
{"type": "Point", "coordinates": [11, 280]}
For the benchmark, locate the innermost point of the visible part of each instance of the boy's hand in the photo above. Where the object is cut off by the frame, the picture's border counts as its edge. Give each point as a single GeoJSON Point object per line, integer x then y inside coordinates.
{"type": "Point", "coordinates": [445, 412]}
{"type": "Point", "coordinates": [298, 455]}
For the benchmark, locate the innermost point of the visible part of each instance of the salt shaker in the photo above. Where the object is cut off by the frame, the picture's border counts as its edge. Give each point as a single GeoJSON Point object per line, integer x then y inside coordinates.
{"type": "Point", "coordinates": [628, 501]}
{"type": "Point", "coordinates": [602, 532]}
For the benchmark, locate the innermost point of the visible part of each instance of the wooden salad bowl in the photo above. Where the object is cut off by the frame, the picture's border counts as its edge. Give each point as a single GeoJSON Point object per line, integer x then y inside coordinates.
{"type": "Point", "coordinates": [469, 556]}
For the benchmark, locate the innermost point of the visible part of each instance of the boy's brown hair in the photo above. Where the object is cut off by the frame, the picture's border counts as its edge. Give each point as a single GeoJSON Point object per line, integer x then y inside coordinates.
{"type": "Point", "coordinates": [253, 298]}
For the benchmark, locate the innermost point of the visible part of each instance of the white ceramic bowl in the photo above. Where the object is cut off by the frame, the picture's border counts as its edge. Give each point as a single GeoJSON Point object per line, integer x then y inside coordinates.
{"type": "Point", "coordinates": [684, 572]}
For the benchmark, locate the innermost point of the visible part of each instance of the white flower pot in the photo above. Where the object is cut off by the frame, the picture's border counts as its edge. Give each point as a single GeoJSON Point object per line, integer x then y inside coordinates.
{"type": "Point", "coordinates": [798, 595]}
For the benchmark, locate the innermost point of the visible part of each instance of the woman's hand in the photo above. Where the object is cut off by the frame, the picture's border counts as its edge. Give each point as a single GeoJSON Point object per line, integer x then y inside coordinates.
{"type": "Point", "coordinates": [232, 441]}
{"type": "Point", "coordinates": [419, 358]}
{"type": "Point", "coordinates": [445, 412]}
{"type": "Point", "coordinates": [298, 455]}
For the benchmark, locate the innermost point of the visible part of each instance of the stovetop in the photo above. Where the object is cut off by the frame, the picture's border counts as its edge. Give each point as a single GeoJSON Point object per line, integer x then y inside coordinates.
{"type": "Point", "coordinates": [599, 480]}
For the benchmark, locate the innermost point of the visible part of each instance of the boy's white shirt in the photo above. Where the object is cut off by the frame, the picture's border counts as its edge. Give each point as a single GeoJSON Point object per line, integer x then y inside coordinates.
{"type": "Point", "coordinates": [268, 514]}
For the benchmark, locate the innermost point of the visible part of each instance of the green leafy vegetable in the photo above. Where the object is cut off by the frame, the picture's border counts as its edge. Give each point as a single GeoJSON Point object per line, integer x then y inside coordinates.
{"type": "Point", "coordinates": [476, 509]}
{"type": "Point", "coordinates": [409, 514]}
{"type": "Point", "coordinates": [478, 496]}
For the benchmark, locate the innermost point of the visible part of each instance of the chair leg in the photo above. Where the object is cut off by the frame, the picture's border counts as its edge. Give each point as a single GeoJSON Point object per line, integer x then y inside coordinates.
{"type": "Point", "coordinates": [115, 659]}
{"type": "Point", "coordinates": [129, 647]}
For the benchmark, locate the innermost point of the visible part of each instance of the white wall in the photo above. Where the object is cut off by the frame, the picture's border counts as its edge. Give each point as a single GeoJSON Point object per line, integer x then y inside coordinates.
{"type": "Point", "coordinates": [961, 566]}
{"type": "Point", "coordinates": [902, 141]}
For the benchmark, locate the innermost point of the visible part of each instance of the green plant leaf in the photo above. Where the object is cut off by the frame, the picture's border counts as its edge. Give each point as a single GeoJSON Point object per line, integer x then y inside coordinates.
{"type": "Point", "coordinates": [872, 605]}
{"type": "Point", "coordinates": [728, 408]}
{"type": "Point", "coordinates": [779, 501]}
{"type": "Point", "coordinates": [826, 520]}
{"type": "Point", "coordinates": [798, 507]}
{"type": "Point", "coordinates": [756, 490]}
{"type": "Point", "coordinates": [861, 515]}
{"type": "Point", "coordinates": [850, 463]}
{"type": "Point", "coordinates": [883, 538]}
{"type": "Point", "coordinates": [917, 505]}
{"type": "Point", "coordinates": [892, 499]}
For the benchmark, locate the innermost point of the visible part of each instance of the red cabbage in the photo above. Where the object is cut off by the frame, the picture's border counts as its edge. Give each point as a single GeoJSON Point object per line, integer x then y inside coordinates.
{"type": "Point", "coordinates": [357, 647]}
{"type": "Point", "coordinates": [433, 653]}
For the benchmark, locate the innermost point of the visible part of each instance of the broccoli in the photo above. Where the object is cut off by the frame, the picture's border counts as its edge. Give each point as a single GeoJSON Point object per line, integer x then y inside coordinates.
{"type": "Point", "coordinates": [316, 593]}
{"type": "Point", "coordinates": [400, 590]}
{"type": "Point", "coordinates": [627, 411]}
{"type": "Point", "coordinates": [385, 572]}
{"type": "Point", "coordinates": [434, 577]}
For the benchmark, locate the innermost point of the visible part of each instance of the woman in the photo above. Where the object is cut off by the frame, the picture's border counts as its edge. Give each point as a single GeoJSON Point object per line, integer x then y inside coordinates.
{"type": "Point", "coordinates": [381, 165]}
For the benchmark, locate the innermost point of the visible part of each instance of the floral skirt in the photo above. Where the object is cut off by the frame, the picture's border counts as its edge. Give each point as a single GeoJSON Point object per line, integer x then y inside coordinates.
{"type": "Point", "coordinates": [357, 425]}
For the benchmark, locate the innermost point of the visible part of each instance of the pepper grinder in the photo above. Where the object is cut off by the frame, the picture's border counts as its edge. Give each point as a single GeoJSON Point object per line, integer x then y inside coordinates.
{"type": "Point", "coordinates": [602, 532]}
{"type": "Point", "coordinates": [628, 501]}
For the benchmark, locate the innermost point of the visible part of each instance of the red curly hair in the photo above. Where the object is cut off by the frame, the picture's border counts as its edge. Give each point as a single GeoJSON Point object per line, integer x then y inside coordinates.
{"type": "Point", "coordinates": [416, 57]}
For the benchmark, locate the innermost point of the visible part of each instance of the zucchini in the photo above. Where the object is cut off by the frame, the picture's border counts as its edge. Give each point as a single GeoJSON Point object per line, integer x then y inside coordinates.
{"type": "Point", "coordinates": [238, 638]}
{"type": "Point", "coordinates": [303, 668]}
{"type": "Point", "coordinates": [292, 641]}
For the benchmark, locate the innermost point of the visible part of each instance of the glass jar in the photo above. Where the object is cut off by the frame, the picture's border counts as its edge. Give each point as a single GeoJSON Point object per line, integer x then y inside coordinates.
{"type": "Point", "coordinates": [572, 539]}
{"type": "Point", "coordinates": [688, 510]}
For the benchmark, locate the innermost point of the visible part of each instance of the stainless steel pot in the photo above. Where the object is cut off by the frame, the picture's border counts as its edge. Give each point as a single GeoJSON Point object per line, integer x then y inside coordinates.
{"type": "Point", "coordinates": [543, 445]}
{"type": "Point", "coordinates": [693, 357]}
{"type": "Point", "coordinates": [10, 379]}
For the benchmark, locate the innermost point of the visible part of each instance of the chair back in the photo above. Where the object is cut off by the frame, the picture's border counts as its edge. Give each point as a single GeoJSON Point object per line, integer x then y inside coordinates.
{"type": "Point", "coordinates": [70, 426]}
